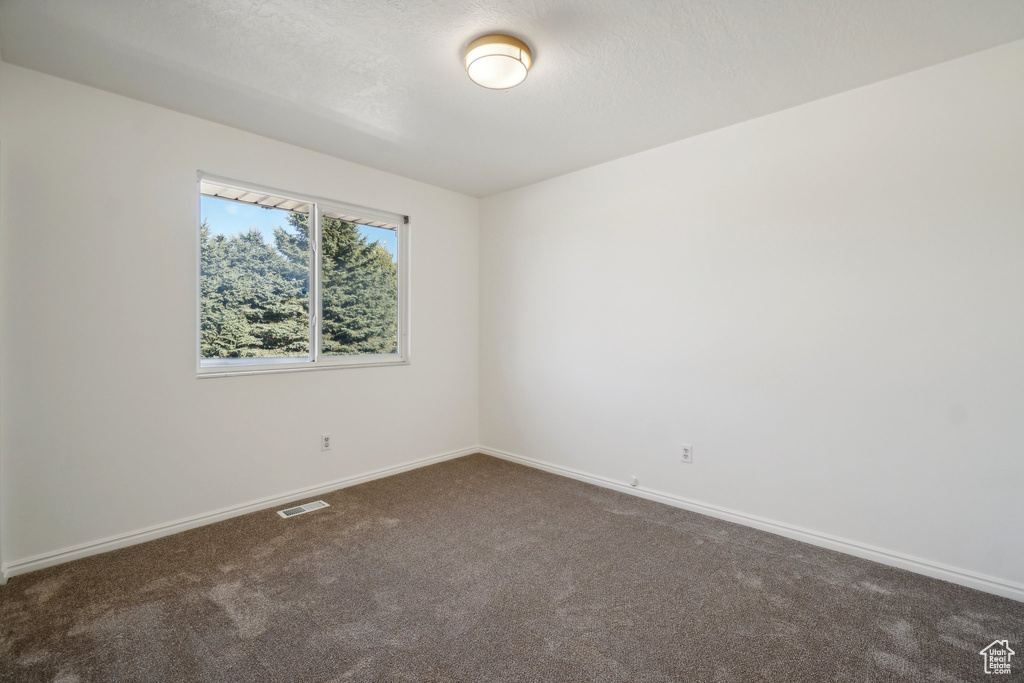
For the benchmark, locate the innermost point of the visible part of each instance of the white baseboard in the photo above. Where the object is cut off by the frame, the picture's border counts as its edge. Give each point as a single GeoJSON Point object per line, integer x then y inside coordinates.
{"type": "Point", "coordinates": [963, 577]}
{"type": "Point", "coordinates": [41, 561]}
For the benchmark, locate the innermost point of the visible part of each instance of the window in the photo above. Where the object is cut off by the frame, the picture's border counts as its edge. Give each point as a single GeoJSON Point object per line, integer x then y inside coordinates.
{"type": "Point", "coordinates": [289, 282]}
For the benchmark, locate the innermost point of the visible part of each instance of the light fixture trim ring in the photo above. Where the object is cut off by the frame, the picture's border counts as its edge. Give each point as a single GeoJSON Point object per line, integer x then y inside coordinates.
{"type": "Point", "coordinates": [524, 58]}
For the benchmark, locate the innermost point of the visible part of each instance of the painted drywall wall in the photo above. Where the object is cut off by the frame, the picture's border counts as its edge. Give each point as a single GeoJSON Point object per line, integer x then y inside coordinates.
{"type": "Point", "coordinates": [827, 303]}
{"type": "Point", "coordinates": [105, 427]}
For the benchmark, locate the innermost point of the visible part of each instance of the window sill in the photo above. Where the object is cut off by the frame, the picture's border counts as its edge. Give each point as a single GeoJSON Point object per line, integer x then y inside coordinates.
{"type": "Point", "coordinates": [245, 370]}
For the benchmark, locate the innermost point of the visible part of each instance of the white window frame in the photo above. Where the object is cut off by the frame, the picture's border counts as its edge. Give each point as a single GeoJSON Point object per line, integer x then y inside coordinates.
{"type": "Point", "coordinates": [317, 361]}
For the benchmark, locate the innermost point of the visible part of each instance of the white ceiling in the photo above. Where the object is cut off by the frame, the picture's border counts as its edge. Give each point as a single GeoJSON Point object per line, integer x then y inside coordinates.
{"type": "Point", "coordinates": [380, 82]}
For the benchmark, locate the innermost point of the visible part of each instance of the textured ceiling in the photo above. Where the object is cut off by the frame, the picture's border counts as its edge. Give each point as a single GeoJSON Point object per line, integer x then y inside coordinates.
{"type": "Point", "coordinates": [380, 82]}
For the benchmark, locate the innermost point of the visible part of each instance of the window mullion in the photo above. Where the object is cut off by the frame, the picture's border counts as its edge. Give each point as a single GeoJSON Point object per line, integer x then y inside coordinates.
{"type": "Point", "coordinates": [315, 314]}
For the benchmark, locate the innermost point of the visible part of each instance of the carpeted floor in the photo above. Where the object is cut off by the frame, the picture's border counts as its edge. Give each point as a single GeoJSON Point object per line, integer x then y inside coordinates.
{"type": "Point", "coordinates": [478, 569]}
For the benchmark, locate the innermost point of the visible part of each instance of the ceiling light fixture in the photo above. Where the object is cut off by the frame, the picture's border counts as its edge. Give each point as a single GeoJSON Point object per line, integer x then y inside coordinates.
{"type": "Point", "coordinates": [498, 62]}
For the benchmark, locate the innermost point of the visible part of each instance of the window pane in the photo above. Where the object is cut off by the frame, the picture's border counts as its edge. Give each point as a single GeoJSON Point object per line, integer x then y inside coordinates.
{"type": "Point", "coordinates": [360, 288]}
{"type": "Point", "coordinates": [254, 282]}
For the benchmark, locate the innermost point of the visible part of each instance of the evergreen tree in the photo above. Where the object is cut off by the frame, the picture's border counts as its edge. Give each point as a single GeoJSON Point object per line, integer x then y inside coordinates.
{"type": "Point", "coordinates": [254, 296]}
{"type": "Point", "coordinates": [359, 283]}
{"type": "Point", "coordinates": [253, 302]}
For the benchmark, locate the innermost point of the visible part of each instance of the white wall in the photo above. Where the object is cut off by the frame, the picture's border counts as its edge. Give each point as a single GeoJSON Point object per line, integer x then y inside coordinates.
{"type": "Point", "coordinates": [827, 302]}
{"type": "Point", "coordinates": [105, 427]}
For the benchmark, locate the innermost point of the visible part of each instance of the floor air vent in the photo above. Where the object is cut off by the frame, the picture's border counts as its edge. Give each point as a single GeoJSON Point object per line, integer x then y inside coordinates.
{"type": "Point", "coordinates": [300, 509]}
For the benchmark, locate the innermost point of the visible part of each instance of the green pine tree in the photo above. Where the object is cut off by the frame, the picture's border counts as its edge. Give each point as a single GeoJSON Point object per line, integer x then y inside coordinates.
{"type": "Point", "coordinates": [254, 296]}
{"type": "Point", "coordinates": [359, 282]}
{"type": "Point", "coordinates": [252, 301]}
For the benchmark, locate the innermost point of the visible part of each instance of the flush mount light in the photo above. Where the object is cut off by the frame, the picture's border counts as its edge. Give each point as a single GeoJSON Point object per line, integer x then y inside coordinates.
{"type": "Point", "coordinates": [498, 62]}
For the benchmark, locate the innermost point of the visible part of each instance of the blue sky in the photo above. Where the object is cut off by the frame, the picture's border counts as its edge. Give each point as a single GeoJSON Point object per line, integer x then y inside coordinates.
{"type": "Point", "coordinates": [230, 218]}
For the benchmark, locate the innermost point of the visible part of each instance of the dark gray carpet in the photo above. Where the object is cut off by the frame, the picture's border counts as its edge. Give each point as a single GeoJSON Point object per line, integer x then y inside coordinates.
{"type": "Point", "coordinates": [478, 569]}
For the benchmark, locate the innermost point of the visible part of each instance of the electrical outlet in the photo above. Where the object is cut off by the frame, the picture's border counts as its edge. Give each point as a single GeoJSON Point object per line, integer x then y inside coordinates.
{"type": "Point", "coordinates": [325, 442]}
{"type": "Point", "coordinates": [687, 454]}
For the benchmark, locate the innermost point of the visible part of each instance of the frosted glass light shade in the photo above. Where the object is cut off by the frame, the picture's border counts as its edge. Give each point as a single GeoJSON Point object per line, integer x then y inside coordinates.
{"type": "Point", "coordinates": [498, 62]}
